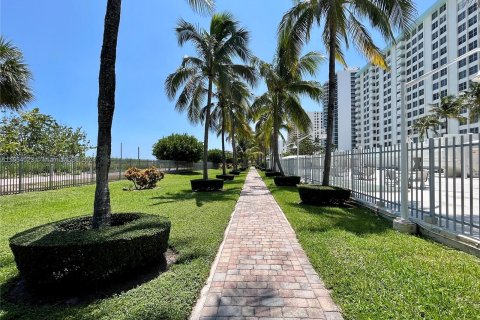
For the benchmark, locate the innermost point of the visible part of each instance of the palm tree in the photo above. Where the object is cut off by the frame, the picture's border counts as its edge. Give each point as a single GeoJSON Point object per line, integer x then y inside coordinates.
{"type": "Point", "coordinates": [450, 107]}
{"type": "Point", "coordinates": [232, 106]}
{"type": "Point", "coordinates": [471, 99]}
{"type": "Point", "coordinates": [425, 123]}
{"type": "Point", "coordinates": [15, 91]}
{"type": "Point", "coordinates": [106, 107]}
{"type": "Point", "coordinates": [342, 20]}
{"type": "Point", "coordinates": [285, 83]}
{"type": "Point", "coordinates": [216, 49]}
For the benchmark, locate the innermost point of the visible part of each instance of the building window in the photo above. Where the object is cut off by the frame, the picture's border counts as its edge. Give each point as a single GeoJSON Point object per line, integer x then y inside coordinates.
{"type": "Point", "coordinates": [443, 8]}
{"type": "Point", "coordinates": [443, 72]}
{"type": "Point", "coordinates": [472, 70]}
{"type": "Point", "coordinates": [461, 16]}
{"type": "Point", "coordinates": [462, 39]}
{"type": "Point", "coordinates": [472, 45]}
{"type": "Point", "coordinates": [462, 51]}
{"type": "Point", "coordinates": [462, 63]}
{"type": "Point", "coordinates": [443, 51]}
{"type": "Point", "coordinates": [472, 8]}
{"type": "Point", "coordinates": [472, 21]}
{"type": "Point", "coordinates": [435, 86]}
{"type": "Point", "coordinates": [472, 33]}
{"type": "Point", "coordinates": [462, 74]}
{"type": "Point", "coordinates": [472, 58]}
{"type": "Point", "coordinates": [443, 83]}
{"type": "Point", "coordinates": [435, 56]}
{"type": "Point", "coordinates": [443, 29]}
{"type": "Point", "coordinates": [462, 86]}
{"type": "Point", "coordinates": [461, 28]}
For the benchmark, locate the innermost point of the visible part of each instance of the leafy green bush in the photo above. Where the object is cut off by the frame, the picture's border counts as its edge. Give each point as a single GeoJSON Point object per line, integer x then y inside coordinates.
{"type": "Point", "coordinates": [69, 252]}
{"type": "Point", "coordinates": [323, 195]}
{"type": "Point", "coordinates": [178, 147]}
{"type": "Point", "coordinates": [215, 156]}
{"type": "Point", "coordinates": [144, 179]}
{"type": "Point", "coordinates": [235, 172]}
{"type": "Point", "coordinates": [286, 180]}
{"type": "Point", "coordinates": [225, 176]}
{"type": "Point", "coordinates": [206, 185]}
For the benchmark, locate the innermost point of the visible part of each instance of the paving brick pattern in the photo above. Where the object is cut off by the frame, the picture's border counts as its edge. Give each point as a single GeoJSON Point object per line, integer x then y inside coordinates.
{"type": "Point", "coordinates": [261, 271]}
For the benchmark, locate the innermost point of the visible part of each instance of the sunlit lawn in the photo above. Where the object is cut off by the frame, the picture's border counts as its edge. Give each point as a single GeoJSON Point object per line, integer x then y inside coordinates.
{"type": "Point", "coordinates": [198, 223]}
{"type": "Point", "coordinates": [377, 273]}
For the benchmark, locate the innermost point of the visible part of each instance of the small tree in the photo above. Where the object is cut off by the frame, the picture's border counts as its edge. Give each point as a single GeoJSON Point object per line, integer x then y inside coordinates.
{"type": "Point", "coordinates": [144, 179]}
{"type": "Point", "coordinates": [178, 147]}
{"type": "Point", "coordinates": [39, 135]}
{"type": "Point", "coordinates": [215, 156]}
{"type": "Point", "coordinates": [450, 107]}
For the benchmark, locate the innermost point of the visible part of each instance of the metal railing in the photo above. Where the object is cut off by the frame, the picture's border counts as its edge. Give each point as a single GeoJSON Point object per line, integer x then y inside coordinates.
{"type": "Point", "coordinates": [443, 177]}
{"type": "Point", "coordinates": [18, 175]}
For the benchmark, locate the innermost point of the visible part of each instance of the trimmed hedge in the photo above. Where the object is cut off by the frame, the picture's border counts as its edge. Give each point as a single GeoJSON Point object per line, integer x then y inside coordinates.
{"type": "Point", "coordinates": [207, 185]}
{"type": "Point", "coordinates": [70, 253]}
{"type": "Point", "coordinates": [323, 195]}
{"type": "Point", "coordinates": [272, 174]}
{"type": "Point", "coordinates": [286, 180]}
{"type": "Point", "coordinates": [268, 170]}
{"type": "Point", "coordinates": [235, 172]}
{"type": "Point", "coordinates": [225, 176]}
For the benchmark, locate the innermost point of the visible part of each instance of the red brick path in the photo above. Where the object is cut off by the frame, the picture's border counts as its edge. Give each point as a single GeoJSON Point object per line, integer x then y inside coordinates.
{"type": "Point", "coordinates": [261, 271]}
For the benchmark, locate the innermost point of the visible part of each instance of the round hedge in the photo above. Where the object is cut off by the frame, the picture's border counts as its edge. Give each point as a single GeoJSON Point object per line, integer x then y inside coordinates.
{"type": "Point", "coordinates": [286, 180]}
{"type": "Point", "coordinates": [235, 172]}
{"type": "Point", "coordinates": [68, 252]}
{"type": "Point", "coordinates": [270, 174]}
{"type": "Point", "coordinates": [206, 185]}
{"type": "Point", "coordinates": [225, 176]}
{"type": "Point", "coordinates": [319, 195]}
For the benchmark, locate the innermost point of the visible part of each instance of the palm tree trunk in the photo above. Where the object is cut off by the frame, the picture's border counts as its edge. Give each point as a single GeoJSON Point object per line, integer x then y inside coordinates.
{"type": "Point", "coordinates": [106, 108]}
{"type": "Point", "coordinates": [234, 145]}
{"type": "Point", "coordinates": [275, 140]}
{"type": "Point", "coordinates": [330, 108]}
{"type": "Point", "coordinates": [446, 125]}
{"type": "Point", "coordinates": [224, 161]}
{"type": "Point", "coordinates": [207, 128]}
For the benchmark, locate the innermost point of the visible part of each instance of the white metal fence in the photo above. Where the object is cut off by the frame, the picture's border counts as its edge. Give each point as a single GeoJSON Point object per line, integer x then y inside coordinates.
{"type": "Point", "coordinates": [18, 175]}
{"type": "Point", "coordinates": [443, 176]}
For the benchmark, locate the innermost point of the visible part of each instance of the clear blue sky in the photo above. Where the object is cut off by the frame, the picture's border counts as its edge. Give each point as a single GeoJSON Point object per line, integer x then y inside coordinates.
{"type": "Point", "coordinates": [61, 41]}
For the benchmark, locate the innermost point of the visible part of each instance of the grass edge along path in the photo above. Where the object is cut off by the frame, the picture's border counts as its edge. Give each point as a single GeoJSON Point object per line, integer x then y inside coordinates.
{"type": "Point", "coordinates": [198, 224]}
{"type": "Point", "coordinates": [375, 272]}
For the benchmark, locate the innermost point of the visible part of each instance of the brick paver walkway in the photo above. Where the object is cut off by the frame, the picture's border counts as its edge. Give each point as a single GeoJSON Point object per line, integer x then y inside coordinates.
{"type": "Point", "coordinates": [261, 271]}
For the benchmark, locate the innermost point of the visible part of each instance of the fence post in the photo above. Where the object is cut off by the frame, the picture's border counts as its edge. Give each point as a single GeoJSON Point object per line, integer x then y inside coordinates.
{"type": "Point", "coordinates": [91, 171]}
{"type": "Point", "coordinates": [431, 182]}
{"type": "Point", "coordinates": [380, 202]}
{"type": "Point", "coordinates": [74, 173]}
{"type": "Point", "coordinates": [20, 176]}
{"type": "Point", "coordinates": [50, 183]}
{"type": "Point", "coordinates": [352, 176]}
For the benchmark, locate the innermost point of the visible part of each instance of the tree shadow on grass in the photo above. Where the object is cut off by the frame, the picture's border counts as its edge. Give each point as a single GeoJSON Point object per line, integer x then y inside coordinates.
{"type": "Point", "coordinates": [351, 218]}
{"type": "Point", "coordinates": [230, 193]}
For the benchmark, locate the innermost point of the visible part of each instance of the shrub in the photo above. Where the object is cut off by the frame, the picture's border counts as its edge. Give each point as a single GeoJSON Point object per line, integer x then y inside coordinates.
{"type": "Point", "coordinates": [215, 156]}
{"type": "Point", "coordinates": [272, 174]}
{"type": "Point", "coordinates": [225, 176]}
{"type": "Point", "coordinates": [235, 172]}
{"type": "Point", "coordinates": [178, 147]}
{"type": "Point", "coordinates": [207, 185]}
{"type": "Point", "coordinates": [70, 253]}
{"type": "Point", "coordinates": [144, 179]}
{"type": "Point", "coordinates": [323, 195]}
{"type": "Point", "coordinates": [286, 180]}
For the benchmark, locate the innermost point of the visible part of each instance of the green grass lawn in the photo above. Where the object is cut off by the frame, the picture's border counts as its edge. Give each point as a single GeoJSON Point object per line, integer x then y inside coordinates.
{"type": "Point", "coordinates": [375, 272]}
{"type": "Point", "coordinates": [198, 223]}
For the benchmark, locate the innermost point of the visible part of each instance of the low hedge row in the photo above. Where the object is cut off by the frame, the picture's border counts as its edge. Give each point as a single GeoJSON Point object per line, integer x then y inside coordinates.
{"type": "Point", "coordinates": [225, 176]}
{"type": "Point", "coordinates": [235, 172]}
{"type": "Point", "coordinates": [272, 174]}
{"type": "Point", "coordinates": [207, 185]}
{"type": "Point", "coordinates": [70, 253]}
{"type": "Point", "coordinates": [286, 180]}
{"type": "Point", "coordinates": [323, 195]}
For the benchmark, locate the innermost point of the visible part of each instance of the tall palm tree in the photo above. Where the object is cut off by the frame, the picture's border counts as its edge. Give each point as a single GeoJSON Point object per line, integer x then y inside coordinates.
{"type": "Point", "coordinates": [471, 99]}
{"type": "Point", "coordinates": [15, 91]}
{"type": "Point", "coordinates": [216, 50]}
{"type": "Point", "coordinates": [342, 21]}
{"type": "Point", "coordinates": [425, 123]}
{"type": "Point", "coordinates": [285, 83]}
{"type": "Point", "coordinates": [106, 107]}
{"type": "Point", "coordinates": [450, 107]}
{"type": "Point", "coordinates": [232, 107]}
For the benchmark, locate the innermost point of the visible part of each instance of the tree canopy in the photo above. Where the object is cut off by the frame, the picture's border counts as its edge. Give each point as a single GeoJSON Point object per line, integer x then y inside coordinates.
{"type": "Point", "coordinates": [35, 134]}
{"type": "Point", "coordinates": [178, 147]}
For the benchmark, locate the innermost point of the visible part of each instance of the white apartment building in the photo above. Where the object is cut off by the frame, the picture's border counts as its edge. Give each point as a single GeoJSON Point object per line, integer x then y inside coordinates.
{"type": "Point", "coordinates": [446, 31]}
{"type": "Point", "coordinates": [316, 130]}
{"type": "Point", "coordinates": [344, 108]}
